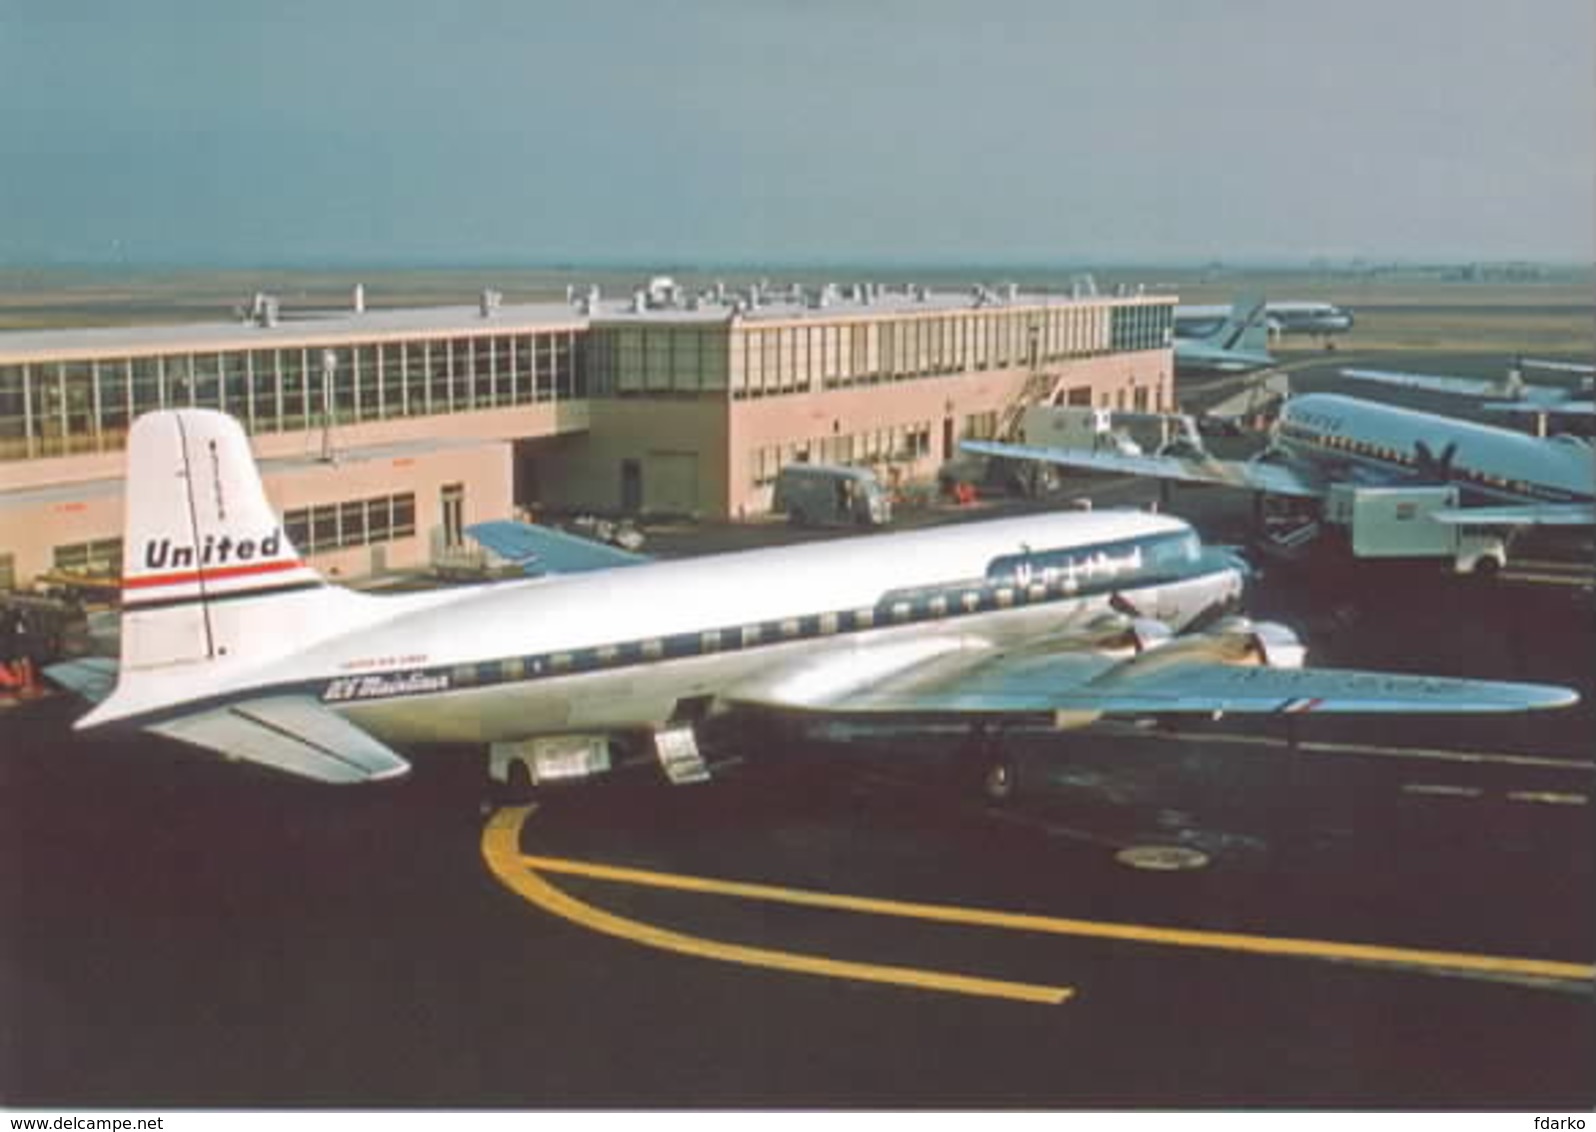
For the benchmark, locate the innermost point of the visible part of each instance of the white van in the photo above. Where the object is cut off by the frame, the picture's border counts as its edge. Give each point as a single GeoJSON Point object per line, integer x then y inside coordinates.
{"type": "Point", "coordinates": [827, 495]}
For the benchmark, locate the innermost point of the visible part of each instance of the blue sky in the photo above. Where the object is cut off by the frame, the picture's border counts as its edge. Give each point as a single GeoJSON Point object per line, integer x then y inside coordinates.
{"type": "Point", "coordinates": [717, 131]}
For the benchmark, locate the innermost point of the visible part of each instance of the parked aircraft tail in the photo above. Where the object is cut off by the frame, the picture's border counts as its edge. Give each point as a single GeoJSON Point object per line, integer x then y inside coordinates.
{"type": "Point", "coordinates": [212, 587]}
{"type": "Point", "coordinates": [1245, 328]}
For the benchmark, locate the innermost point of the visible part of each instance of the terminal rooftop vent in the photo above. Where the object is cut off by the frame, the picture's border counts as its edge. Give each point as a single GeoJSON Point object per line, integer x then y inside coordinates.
{"type": "Point", "coordinates": [1011, 292]}
{"type": "Point", "coordinates": [720, 290]}
{"type": "Point", "coordinates": [489, 302]}
{"type": "Point", "coordinates": [263, 309]}
{"type": "Point", "coordinates": [1083, 286]}
{"type": "Point", "coordinates": [662, 291]}
{"type": "Point", "coordinates": [639, 301]}
{"type": "Point", "coordinates": [357, 300]}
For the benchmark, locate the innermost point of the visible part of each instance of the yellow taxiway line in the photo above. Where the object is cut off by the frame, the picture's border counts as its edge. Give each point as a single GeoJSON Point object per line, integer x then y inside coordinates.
{"type": "Point", "coordinates": [501, 849]}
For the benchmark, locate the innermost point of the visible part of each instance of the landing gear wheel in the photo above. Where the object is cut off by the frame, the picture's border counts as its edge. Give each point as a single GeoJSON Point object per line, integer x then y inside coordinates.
{"type": "Point", "coordinates": [516, 789]}
{"type": "Point", "coordinates": [999, 780]}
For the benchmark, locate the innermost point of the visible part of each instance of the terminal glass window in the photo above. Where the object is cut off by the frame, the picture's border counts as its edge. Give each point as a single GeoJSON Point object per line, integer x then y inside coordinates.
{"type": "Point", "coordinates": [355, 522]}
{"type": "Point", "coordinates": [100, 558]}
{"type": "Point", "coordinates": [207, 378]}
{"type": "Point", "coordinates": [111, 378]}
{"type": "Point", "coordinates": [146, 385]}
{"type": "Point", "coordinates": [441, 367]}
{"type": "Point", "coordinates": [13, 413]}
{"type": "Point", "coordinates": [369, 400]}
{"type": "Point", "coordinates": [295, 392]}
{"type": "Point", "coordinates": [236, 390]}
{"type": "Point", "coordinates": [80, 424]}
{"type": "Point", "coordinates": [485, 377]}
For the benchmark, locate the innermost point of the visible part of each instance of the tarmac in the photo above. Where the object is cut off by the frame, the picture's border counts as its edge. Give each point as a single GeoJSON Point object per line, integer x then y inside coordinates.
{"type": "Point", "coordinates": [1389, 913]}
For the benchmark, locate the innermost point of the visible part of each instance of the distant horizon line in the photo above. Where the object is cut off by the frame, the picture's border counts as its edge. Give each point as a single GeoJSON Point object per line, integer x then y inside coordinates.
{"type": "Point", "coordinates": [669, 264]}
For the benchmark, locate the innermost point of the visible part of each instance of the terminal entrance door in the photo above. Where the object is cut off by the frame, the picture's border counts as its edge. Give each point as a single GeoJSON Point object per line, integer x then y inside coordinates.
{"type": "Point", "coordinates": [947, 439]}
{"type": "Point", "coordinates": [452, 505]}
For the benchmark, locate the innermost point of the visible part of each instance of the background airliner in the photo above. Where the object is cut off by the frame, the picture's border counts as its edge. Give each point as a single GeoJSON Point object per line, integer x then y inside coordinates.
{"type": "Point", "coordinates": [1504, 477]}
{"type": "Point", "coordinates": [1316, 319]}
{"type": "Point", "coordinates": [230, 642]}
{"type": "Point", "coordinates": [1516, 392]}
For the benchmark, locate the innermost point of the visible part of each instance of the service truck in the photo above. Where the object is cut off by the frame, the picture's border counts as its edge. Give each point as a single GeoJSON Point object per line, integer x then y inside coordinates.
{"type": "Point", "coordinates": [825, 495]}
{"type": "Point", "coordinates": [1397, 523]}
{"type": "Point", "coordinates": [1075, 426]}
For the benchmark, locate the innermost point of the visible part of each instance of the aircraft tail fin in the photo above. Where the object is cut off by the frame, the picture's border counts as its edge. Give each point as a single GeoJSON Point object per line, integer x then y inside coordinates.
{"type": "Point", "coordinates": [211, 583]}
{"type": "Point", "coordinates": [1246, 327]}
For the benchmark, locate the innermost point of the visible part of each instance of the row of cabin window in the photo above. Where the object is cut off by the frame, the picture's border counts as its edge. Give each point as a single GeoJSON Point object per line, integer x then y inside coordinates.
{"type": "Point", "coordinates": [717, 640]}
{"type": "Point", "coordinates": [1395, 456]}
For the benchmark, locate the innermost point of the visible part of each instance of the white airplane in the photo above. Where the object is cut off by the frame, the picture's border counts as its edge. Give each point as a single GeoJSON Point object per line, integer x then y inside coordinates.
{"type": "Point", "coordinates": [230, 642]}
{"type": "Point", "coordinates": [1514, 393]}
{"type": "Point", "coordinates": [1504, 477]}
{"type": "Point", "coordinates": [1317, 319]}
{"type": "Point", "coordinates": [1231, 343]}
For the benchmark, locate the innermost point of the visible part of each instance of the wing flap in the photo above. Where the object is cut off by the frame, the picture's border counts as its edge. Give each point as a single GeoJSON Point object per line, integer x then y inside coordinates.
{"type": "Point", "coordinates": [1277, 479]}
{"type": "Point", "coordinates": [293, 734]}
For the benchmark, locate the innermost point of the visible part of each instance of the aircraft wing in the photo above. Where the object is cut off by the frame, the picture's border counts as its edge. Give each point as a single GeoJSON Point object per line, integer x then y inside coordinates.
{"type": "Point", "coordinates": [1520, 515]}
{"type": "Point", "coordinates": [294, 734]}
{"type": "Point", "coordinates": [1531, 406]}
{"type": "Point", "coordinates": [1585, 368]}
{"type": "Point", "coordinates": [1434, 382]}
{"type": "Point", "coordinates": [1277, 479]}
{"type": "Point", "coordinates": [960, 681]}
{"type": "Point", "coordinates": [540, 550]}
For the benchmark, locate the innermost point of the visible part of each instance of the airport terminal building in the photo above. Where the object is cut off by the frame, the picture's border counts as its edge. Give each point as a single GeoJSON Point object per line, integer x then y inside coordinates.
{"type": "Point", "coordinates": [383, 433]}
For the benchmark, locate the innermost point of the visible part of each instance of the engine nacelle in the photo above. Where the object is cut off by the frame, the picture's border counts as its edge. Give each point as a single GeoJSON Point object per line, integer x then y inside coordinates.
{"type": "Point", "coordinates": [1277, 645]}
{"type": "Point", "coordinates": [1241, 640]}
{"type": "Point", "coordinates": [1115, 632]}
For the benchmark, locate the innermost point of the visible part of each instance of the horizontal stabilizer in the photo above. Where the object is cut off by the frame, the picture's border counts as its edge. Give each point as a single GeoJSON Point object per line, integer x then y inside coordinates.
{"type": "Point", "coordinates": [1277, 479]}
{"type": "Point", "coordinates": [92, 677]}
{"type": "Point", "coordinates": [293, 734]}
{"type": "Point", "coordinates": [540, 550]}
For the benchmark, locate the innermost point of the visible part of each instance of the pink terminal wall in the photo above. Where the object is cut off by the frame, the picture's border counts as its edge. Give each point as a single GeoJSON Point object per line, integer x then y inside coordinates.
{"type": "Point", "coordinates": [33, 523]}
